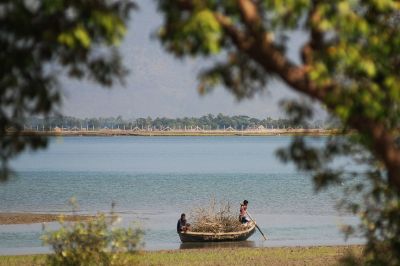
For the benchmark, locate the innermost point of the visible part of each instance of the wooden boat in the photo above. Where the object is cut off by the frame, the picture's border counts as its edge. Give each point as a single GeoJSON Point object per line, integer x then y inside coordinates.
{"type": "Point", "coordinates": [218, 237]}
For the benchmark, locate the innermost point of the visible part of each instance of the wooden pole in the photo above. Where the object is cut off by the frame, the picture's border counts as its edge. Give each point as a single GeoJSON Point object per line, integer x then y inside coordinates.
{"type": "Point", "coordinates": [251, 218]}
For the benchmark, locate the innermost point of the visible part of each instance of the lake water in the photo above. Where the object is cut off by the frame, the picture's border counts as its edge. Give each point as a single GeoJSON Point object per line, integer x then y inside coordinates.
{"type": "Point", "coordinates": [153, 179]}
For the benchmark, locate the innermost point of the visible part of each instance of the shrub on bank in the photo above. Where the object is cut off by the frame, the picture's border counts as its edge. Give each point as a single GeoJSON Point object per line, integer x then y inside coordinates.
{"type": "Point", "coordinates": [93, 242]}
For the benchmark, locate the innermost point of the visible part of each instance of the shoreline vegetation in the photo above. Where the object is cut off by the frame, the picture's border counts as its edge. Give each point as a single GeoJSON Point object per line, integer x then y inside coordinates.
{"type": "Point", "coordinates": [121, 132]}
{"type": "Point", "coordinates": [316, 255]}
{"type": "Point", "coordinates": [8, 218]}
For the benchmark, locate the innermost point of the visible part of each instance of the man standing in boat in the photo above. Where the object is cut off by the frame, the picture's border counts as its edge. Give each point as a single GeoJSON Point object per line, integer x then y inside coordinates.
{"type": "Point", "coordinates": [182, 225]}
{"type": "Point", "coordinates": [243, 212]}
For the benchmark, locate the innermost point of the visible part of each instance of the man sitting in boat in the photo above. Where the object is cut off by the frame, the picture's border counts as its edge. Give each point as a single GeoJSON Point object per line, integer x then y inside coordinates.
{"type": "Point", "coordinates": [182, 225]}
{"type": "Point", "coordinates": [243, 212]}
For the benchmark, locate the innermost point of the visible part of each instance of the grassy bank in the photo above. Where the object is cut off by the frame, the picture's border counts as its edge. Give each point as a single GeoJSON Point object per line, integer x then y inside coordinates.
{"type": "Point", "coordinates": [324, 255]}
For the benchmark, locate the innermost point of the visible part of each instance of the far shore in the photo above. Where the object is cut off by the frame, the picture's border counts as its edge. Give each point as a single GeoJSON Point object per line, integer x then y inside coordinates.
{"type": "Point", "coordinates": [128, 132]}
{"type": "Point", "coordinates": [31, 218]}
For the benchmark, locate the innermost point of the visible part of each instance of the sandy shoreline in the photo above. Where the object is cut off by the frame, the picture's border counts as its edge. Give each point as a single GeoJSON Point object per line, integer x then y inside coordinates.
{"type": "Point", "coordinates": [30, 218]}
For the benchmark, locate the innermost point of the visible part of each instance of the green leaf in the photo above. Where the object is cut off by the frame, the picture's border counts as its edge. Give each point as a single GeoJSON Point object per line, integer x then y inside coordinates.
{"type": "Point", "coordinates": [67, 39]}
{"type": "Point", "coordinates": [205, 26]}
{"type": "Point", "coordinates": [369, 67]}
{"type": "Point", "coordinates": [82, 36]}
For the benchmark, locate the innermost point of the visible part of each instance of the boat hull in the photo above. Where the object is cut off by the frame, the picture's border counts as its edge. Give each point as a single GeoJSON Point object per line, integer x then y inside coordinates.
{"type": "Point", "coordinates": [217, 237]}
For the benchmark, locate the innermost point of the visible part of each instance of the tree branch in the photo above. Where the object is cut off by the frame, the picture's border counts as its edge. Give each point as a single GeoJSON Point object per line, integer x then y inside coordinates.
{"type": "Point", "coordinates": [250, 16]}
{"type": "Point", "coordinates": [240, 39]}
{"type": "Point", "coordinates": [316, 36]}
{"type": "Point", "coordinates": [257, 44]}
{"type": "Point", "coordinates": [262, 50]}
{"type": "Point", "coordinates": [383, 145]}
{"type": "Point", "coordinates": [271, 58]}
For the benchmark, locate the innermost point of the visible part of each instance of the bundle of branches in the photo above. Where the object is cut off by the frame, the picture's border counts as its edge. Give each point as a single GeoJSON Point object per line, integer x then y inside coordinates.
{"type": "Point", "coordinates": [215, 218]}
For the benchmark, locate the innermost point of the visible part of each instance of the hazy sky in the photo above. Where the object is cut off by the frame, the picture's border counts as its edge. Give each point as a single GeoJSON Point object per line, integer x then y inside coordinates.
{"type": "Point", "coordinates": [161, 85]}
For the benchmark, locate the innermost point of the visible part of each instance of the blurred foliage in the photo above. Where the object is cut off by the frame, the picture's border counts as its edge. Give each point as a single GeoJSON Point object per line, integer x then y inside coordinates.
{"type": "Point", "coordinates": [349, 63]}
{"type": "Point", "coordinates": [94, 242]}
{"type": "Point", "coordinates": [41, 40]}
{"type": "Point", "coordinates": [346, 162]}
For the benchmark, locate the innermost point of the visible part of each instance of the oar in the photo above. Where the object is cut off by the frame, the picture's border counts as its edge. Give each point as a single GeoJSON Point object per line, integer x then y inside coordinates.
{"type": "Point", "coordinates": [251, 218]}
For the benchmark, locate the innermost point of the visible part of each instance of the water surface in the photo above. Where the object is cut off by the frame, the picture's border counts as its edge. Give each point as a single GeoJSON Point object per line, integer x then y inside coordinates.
{"type": "Point", "coordinates": [154, 179]}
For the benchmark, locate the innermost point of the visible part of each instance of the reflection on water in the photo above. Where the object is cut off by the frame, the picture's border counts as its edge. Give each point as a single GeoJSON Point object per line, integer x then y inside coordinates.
{"type": "Point", "coordinates": [237, 244]}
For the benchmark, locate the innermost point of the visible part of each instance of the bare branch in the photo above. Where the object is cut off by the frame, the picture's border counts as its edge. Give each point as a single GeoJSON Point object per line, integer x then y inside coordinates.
{"type": "Point", "coordinates": [250, 16]}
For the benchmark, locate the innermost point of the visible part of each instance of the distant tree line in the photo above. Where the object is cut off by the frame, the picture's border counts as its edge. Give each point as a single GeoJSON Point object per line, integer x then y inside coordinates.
{"type": "Point", "coordinates": [206, 122]}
